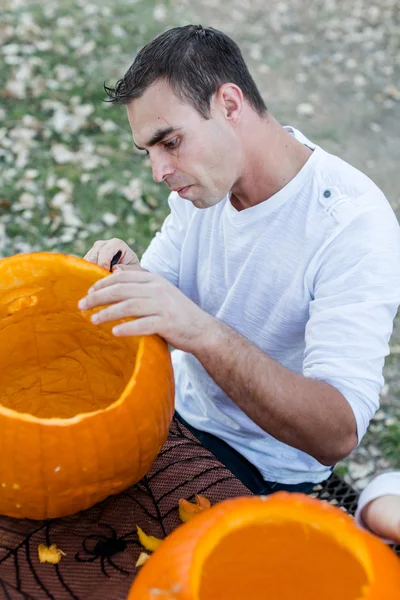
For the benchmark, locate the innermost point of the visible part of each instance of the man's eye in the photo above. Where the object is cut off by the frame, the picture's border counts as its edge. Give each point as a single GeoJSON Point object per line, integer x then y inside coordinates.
{"type": "Point", "coordinates": [172, 143]}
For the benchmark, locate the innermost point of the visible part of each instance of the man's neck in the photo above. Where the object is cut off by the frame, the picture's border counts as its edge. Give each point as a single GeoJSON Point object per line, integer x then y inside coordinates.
{"type": "Point", "coordinates": [273, 157]}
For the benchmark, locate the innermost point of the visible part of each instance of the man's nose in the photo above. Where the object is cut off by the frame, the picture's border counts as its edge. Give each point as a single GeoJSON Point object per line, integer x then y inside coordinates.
{"type": "Point", "coordinates": [162, 168]}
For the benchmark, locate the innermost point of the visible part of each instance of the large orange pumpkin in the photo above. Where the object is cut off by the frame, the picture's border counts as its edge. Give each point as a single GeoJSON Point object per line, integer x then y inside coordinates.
{"type": "Point", "coordinates": [283, 547]}
{"type": "Point", "coordinates": [83, 413]}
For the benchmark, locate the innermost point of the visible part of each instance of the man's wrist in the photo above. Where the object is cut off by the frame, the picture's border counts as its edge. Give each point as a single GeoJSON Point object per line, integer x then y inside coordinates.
{"type": "Point", "coordinates": [211, 331]}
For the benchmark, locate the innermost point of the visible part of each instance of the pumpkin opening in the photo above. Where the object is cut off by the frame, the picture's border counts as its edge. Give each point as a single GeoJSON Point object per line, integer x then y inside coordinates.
{"type": "Point", "coordinates": [54, 362]}
{"type": "Point", "coordinates": [281, 560]}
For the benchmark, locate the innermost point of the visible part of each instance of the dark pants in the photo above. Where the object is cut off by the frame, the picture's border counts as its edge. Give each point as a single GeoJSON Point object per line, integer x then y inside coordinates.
{"type": "Point", "coordinates": [247, 473]}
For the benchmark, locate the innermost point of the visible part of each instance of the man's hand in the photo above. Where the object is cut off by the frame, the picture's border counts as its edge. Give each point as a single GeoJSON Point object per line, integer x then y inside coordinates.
{"type": "Point", "coordinates": [382, 517]}
{"type": "Point", "coordinates": [156, 305]}
{"type": "Point", "coordinates": [103, 251]}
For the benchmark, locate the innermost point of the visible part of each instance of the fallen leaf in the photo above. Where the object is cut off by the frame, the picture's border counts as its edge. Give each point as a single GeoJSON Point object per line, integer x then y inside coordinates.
{"type": "Point", "coordinates": [50, 554]}
{"type": "Point", "coordinates": [149, 542]}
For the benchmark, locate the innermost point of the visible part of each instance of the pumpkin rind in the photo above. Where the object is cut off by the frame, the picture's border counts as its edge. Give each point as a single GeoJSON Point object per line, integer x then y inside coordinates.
{"type": "Point", "coordinates": [52, 467]}
{"type": "Point", "coordinates": [174, 570]}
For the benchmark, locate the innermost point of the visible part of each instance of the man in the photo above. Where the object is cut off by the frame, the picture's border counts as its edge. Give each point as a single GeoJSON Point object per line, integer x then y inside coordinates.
{"type": "Point", "coordinates": [275, 276]}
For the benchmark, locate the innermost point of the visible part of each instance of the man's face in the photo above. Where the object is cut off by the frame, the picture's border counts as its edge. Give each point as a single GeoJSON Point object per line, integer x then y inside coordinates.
{"type": "Point", "coordinates": [191, 155]}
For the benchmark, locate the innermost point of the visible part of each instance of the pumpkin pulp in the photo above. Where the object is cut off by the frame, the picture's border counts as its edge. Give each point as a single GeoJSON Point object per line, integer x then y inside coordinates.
{"type": "Point", "coordinates": [54, 362]}
{"type": "Point", "coordinates": [286, 560]}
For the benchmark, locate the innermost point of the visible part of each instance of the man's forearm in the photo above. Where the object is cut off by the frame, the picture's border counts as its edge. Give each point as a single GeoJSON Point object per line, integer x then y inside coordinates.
{"type": "Point", "coordinates": [304, 413]}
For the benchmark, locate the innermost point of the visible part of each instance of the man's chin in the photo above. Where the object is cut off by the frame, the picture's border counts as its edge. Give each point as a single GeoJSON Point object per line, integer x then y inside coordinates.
{"type": "Point", "coordinates": [199, 203]}
{"type": "Point", "coordinates": [205, 203]}
{"type": "Point", "coordinates": [189, 193]}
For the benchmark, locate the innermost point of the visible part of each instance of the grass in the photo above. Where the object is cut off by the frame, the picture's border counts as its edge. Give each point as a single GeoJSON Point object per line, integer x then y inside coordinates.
{"type": "Point", "coordinates": [68, 50]}
{"type": "Point", "coordinates": [341, 469]}
{"type": "Point", "coordinates": [390, 444]}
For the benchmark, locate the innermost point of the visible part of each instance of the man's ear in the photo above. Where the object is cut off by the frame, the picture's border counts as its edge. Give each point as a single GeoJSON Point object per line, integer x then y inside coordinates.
{"type": "Point", "coordinates": [229, 99]}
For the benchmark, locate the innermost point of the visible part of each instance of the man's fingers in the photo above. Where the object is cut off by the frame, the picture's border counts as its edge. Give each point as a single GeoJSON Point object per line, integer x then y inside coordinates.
{"type": "Point", "coordinates": [134, 307]}
{"type": "Point", "coordinates": [112, 294]}
{"type": "Point", "coordinates": [111, 248]}
{"type": "Point", "coordinates": [103, 251]}
{"type": "Point", "coordinates": [126, 276]}
{"type": "Point", "coordinates": [142, 326]}
{"type": "Point", "coordinates": [92, 255]}
{"type": "Point", "coordinates": [127, 267]}
{"type": "Point", "coordinates": [108, 251]}
{"type": "Point", "coordinates": [107, 295]}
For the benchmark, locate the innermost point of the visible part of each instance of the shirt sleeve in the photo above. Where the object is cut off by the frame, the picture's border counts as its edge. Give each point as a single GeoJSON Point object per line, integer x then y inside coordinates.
{"type": "Point", "coordinates": [163, 255]}
{"type": "Point", "coordinates": [355, 288]}
{"type": "Point", "coordinates": [383, 485]}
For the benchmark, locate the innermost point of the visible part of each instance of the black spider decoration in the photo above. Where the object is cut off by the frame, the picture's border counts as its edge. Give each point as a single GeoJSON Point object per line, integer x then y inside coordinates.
{"type": "Point", "coordinates": [106, 547]}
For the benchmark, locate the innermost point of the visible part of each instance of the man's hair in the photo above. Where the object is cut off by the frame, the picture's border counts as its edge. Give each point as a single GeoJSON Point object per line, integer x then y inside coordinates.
{"type": "Point", "coordinates": [195, 62]}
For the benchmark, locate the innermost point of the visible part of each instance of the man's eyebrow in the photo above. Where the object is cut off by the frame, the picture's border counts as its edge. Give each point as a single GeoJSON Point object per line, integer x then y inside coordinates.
{"type": "Point", "coordinates": [159, 135]}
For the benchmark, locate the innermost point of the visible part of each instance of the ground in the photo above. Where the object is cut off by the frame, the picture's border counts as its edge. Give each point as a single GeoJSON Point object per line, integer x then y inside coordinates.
{"type": "Point", "coordinates": [70, 174]}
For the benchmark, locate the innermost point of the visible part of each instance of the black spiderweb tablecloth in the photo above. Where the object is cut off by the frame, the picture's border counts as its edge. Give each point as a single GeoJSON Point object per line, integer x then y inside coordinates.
{"type": "Point", "coordinates": [102, 544]}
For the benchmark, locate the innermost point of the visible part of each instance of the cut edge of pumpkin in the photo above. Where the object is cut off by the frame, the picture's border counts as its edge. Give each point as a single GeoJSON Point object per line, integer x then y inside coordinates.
{"type": "Point", "coordinates": [57, 421]}
{"type": "Point", "coordinates": [187, 510]}
{"type": "Point", "coordinates": [316, 514]}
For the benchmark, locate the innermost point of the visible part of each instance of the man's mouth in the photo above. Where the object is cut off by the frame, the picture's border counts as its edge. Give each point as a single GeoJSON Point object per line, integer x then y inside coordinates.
{"type": "Point", "coordinates": [181, 190]}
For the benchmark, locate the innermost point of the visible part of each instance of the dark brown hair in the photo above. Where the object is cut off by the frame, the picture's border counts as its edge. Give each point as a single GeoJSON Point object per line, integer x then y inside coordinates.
{"type": "Point", "coordinates": [195, 61]}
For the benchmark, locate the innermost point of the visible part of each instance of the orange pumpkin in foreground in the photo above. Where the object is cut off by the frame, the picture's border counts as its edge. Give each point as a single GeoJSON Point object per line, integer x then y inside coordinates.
{"type": "Point", "coordinates": [83, 413]}
{"type": "Point", "coordinates": [282, 547]}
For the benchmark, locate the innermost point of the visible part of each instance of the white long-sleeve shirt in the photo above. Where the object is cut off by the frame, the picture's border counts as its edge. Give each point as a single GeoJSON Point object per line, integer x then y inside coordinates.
{"type": "Point", "coordinates": [311, 276]}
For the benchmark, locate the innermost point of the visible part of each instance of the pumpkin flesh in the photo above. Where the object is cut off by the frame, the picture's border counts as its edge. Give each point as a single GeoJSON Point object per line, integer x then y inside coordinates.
{"type": "Point", "coordinates": [293, 560]}
{"type": "Point", "coordinates": [69, 367]}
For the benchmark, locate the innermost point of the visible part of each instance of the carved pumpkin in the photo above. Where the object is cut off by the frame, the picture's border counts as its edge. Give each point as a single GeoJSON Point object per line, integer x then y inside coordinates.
{"type": "Point", "coordinates": [284, 546]}
{"type": "Point", "coordinates": [83, 413]}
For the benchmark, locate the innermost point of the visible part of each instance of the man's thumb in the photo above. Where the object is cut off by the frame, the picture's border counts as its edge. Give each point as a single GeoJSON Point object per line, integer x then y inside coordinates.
{"type": "Point", "coordinates": [121, 267]}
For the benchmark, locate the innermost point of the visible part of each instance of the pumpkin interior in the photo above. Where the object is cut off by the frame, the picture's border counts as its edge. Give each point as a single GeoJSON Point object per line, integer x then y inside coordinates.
{"type": "Point", "coordinates": [281, 560]}
{"type": "Point", "coordinates": [54, 362]}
